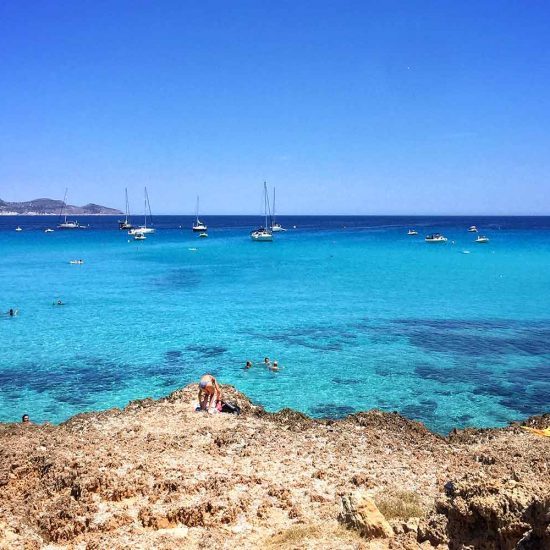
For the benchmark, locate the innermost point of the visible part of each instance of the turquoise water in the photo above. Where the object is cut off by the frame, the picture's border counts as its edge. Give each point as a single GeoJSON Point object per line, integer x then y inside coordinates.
{"type": "Point", "coordinates": [359, 314]}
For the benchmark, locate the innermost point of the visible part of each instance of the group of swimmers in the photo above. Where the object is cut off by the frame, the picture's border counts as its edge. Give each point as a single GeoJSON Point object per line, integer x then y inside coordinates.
{"type": "Point", "coordinates": [267, 363]}
{"type": "Point", "coordinates": [13, 312]}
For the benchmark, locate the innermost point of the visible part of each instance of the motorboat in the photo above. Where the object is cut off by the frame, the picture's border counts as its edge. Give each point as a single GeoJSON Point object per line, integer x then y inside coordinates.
{"type": "Point", "coordinates": [203, 234]}
{"type": "Point", "coordinates": [139, 237]}
{"type": "Point", "coordinates": [262, 234]}
{"type": "Point", "coordinates": [125, 224]}
{"type": "Point", "coordinates": [48, 230]}
{"type": "Point", "coordinates": [412, 232]}
{"type": "Point", "coordinates": [198, 226]}
{"type": "Point", "coordinates": [435, 238]}
{"type": "Point", "coordinates": [18, 228]}
{"type": "Point", "coordinates": [76, 262]}
{"type": "Point", "coordinates": [472, 229]}
{"type": "Point", "coordinates": [482, 239]}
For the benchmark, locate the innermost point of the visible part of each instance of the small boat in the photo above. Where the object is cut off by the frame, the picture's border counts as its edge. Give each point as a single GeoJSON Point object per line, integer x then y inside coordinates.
{"type": "Point", "coordinates": [144, 229]}
{"type": "Point", "coordinates": [482, 239]}
{"type": "Point", "coordinates": [66, 224]}
{"type": "Point", "coordinates": [412, 232]}
{"type": "Point", "coordinates": [275, 227]}
{"type": "Point", "coordinates": [48, 230]}
{"type": "Point", "coordinates": [76, 262]}
{"type": "Point", "coordinates": [125, 223]}
{"type": "Point", "coordinates": [198, 225]}
{"type": "Point", "coordinates": [203, 234]}
{"type": "Point", "coordinates": [262, 234]}
{"type": "Point", "coordinates": [435, 238]}
{"type": "Point", "coordinates": [472, 229]}
{"type": "Point", "coordinates": [139, 237]}
{"type": "Point", "coordinates": [18, 228]}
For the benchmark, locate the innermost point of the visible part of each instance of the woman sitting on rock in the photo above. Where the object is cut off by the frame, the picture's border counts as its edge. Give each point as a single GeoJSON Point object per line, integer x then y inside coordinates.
{"type": "Point", "coordinates": [210, 395]}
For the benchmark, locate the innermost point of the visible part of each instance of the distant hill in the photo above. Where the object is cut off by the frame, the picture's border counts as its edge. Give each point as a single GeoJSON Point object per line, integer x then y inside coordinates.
{"type": "Point", "coordinates": [51, 207]}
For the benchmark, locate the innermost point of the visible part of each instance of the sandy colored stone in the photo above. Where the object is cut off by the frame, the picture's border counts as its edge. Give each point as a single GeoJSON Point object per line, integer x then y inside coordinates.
{"type": "Point", "coordinates": [359, 512]}
{"type": "Point", "coordinates": [158, 475]}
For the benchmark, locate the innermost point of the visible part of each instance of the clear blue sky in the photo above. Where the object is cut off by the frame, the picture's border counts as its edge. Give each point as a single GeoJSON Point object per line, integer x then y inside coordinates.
{"type": "Point", "coordinates": [345, 106]}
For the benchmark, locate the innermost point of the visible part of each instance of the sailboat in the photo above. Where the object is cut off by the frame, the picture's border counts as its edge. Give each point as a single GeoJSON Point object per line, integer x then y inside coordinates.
{"type": "Point", "coordinates": [263, 234]}
{"type": "Point", "coordinates": [275, 227]}
{"type": "Point", "coordinates": [70, 224]}
{"type": "Point", "coordinates": [198, 225]}
{"type": "Point", "coordinates": [143, 229]}
{"type": "Point", "coordinates": [125, 224]}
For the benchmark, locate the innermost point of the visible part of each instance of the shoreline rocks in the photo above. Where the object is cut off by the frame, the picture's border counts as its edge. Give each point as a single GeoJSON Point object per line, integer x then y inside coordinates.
{"type": "Point", "coordinates": [159, 475]}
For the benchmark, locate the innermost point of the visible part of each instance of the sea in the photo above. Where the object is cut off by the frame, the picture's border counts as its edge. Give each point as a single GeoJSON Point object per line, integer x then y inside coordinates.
{"type": "Point", "coordinates": [358, 314]}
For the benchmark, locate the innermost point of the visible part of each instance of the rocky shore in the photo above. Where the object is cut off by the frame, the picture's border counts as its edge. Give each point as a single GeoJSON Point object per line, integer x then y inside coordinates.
{"type": "Point", "coordinates": [158, 475]}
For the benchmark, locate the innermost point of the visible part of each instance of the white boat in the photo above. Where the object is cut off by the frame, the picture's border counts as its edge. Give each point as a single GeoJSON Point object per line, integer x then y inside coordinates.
{"type": "Point", "coordinates": [198, 225]}
{"type": "Point", "coordinates": [435, 238]}
{"type": "Point", "coordinates": [76, 262]}
{"type": "Point", "coordinates": [482, 239]}
{"type": "Point", "coordinates": [472, 229]}
{"type": "Point", "coordinates": [139, 237]}
{"type": "Point", "coordinates": [66, 224]}
{"type": "Point", "coordinates": [18, 228]}
{"type": "Point", "coordinates": [126, 224]}
{"type": "Point", "coordinates": [203, 235]}
{"type": "Point", "coordinates": [48, 230]}
{"type": "Point", "coordinates": [275, 227]}
{"type": "Point", "coordinates": [412, 232]}
{"type": "Point", "coordinates": [143, 229]}
{"type": "Point", "coordinates": [262, 234]}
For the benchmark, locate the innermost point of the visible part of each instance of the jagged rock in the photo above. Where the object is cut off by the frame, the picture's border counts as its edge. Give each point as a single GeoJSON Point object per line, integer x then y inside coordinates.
{"type": "Point", "coordinates": [159, 475]}
{"type": "Point", "coordinates": [359, 512]}
{"type": "Point", "coordinates": [499, 514]}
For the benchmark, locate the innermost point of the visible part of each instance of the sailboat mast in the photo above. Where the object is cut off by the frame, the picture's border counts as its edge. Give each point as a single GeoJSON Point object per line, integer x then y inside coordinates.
{"type": "Point", "coordinates": [145, 208]}
{"type": "Point", "coordinates": [64, 205]}
{"type": "Point", "coordinates": [127, 205]}
{"type": "Point", "coordinates": [197, 210]}
{"type": "Point", "coordinates": [265, 203]}
{"type": "Point", "coordinates": [148, 205]}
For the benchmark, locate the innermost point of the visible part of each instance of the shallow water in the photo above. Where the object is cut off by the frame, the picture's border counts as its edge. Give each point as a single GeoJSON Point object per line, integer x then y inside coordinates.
{"type": "Point", "coordinates": [359, 314]}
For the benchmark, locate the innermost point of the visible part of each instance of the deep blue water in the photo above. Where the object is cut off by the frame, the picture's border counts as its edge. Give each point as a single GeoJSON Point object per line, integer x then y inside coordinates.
{"type": "Point", "coordinates": [359, 314]}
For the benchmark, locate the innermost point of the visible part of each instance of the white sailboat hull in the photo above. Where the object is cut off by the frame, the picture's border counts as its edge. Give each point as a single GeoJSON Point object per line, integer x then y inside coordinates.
{"type": "Point", "coordinates": [141, 230]}
{"type": "Point", "coordinates": [261, 236]}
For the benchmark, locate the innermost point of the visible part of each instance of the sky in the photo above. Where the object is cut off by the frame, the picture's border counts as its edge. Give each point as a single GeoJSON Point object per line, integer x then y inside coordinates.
{"type": "Point", "coordinates": [344, 106]}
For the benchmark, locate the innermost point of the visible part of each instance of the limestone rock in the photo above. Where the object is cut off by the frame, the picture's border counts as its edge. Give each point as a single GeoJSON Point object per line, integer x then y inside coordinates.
{"type": "Point", "coordinates": [359, 512]}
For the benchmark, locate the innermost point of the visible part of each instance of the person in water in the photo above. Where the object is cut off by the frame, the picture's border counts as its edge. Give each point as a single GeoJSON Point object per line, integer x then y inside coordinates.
{"type": "Point", "coordinates": [248, 365]}
{"type": "Point", "coordinates": [25, 419]}
{"type": "Point", "coordinates": [274, 366]}
{"type": "Point", "coordinates": [210, 395]}
{"type": "Point", "coordinates": [12, 312]}
{"type": "Point", "coordinates": [58, 303]}
{"type": "Point", "coordinates": [267, 362]}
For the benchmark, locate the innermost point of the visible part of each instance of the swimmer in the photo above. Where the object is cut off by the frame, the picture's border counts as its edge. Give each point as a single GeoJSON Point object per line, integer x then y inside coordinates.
{"type": "Point", "coordinates": [248, 365]}
{"type": "Point", "coordinates": [267, 362]}
{"type": "Point", "coordinates": [12, 312]}
{"type": "Point", "coordinates": [58, 303]}
{"type": "Point", "coordinates": [210, 395]}
{"type": "Point", "coordinates": [274, 366]}
{"type": "Point", "coordinates": [25, 419]}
